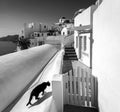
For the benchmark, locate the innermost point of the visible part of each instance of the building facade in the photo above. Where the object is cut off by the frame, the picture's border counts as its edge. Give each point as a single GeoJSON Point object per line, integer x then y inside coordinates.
{"type": "Point", "coordinates": [67, 29]}
{"type": "Point", "coordinates": [83, 39]}
{"type": "Point", "coordinates": [66, 24]}
{"type": "Point", "coordinates": [36, 32]}
{"type": "Point", "coordinates": [30, 28]}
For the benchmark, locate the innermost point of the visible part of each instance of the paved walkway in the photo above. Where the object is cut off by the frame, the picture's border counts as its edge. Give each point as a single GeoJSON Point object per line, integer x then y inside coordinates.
{"type": "Point", "coordinates": [46, 102]}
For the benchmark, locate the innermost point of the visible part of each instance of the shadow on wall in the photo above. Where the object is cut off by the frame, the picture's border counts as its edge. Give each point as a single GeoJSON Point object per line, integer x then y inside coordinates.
{"type": "Point", "coordinates": [80, 87]}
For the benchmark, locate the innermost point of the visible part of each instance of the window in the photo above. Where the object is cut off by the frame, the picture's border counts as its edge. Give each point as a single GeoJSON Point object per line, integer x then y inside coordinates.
{"type": "Point", "coordinates": [35, 34]}
{"type": "Point", "coordinates": [80, 47]}
{"type": "Point", "coordinates": [45, 26]}
{"type": "Point", "coordinates": [85, 43]}
{"type": "Point", "coordinates": [76, 41]}
{"type": "Point", "coordinates": [38, 35]}
{"type": "Point", "coordinates": [40, 43]}
{"type": "Point", "coordinates": [68, 32]}
{"type": "Point", "coordinates": [32, 35]}
{"type": "Point", "coordinates": [77, 87]}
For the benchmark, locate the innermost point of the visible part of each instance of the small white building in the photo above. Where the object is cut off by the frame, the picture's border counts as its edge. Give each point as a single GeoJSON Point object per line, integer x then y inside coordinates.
{"type": "Point", "coordinates": [36, 32]}
{"type": "Point", "coordinates": [38, 38]}
{"type": "Point", "coordinates": [66, 30]}
{"type": "Point", "coordinates": [30, 28]}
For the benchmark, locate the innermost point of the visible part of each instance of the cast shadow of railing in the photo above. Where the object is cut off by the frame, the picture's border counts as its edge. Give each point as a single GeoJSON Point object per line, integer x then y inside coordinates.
{"type": "Point", "coordinates": [80, 86]}
{"type": "Point", "coordinates": [46, 96]}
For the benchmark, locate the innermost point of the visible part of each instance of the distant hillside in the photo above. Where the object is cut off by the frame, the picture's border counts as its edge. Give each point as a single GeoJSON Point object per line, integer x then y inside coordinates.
{"type": "Point", "coordinates": [13, 38]}
{"type": "Point", "coordinates": [7, 47]}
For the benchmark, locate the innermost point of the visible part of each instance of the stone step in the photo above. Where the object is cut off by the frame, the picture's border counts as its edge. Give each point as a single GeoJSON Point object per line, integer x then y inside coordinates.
{"type": "Point", "coordinates": [70, 57]}
{"type": "Point", "coordinates": [69, 48]}
{"type": "Point", "coordinates": [67, 58]}
{"type": "Point", "coordinates": [73, 54]}
{"type": "Point", "coordinates": [70, 53]}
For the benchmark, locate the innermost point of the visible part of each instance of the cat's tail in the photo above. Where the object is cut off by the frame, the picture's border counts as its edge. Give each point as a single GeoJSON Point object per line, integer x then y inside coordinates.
{"type": "Point", "coordinates": [29, 102]}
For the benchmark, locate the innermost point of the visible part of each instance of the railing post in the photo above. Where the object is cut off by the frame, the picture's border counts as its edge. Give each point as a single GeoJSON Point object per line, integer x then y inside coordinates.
{"type": "Point", "coordinates": [57, 91]}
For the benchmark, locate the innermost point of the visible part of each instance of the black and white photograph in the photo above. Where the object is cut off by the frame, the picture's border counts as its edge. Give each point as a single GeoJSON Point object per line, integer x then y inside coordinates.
{"type": "Point", "coordinates": [59, 56]}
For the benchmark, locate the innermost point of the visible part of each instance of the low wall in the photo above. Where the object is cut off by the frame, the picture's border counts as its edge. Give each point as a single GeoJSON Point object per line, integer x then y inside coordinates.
{"type": "Point", "coordinates": [57, 84]}
{"type": "Point", "coordinates": [18, 69]}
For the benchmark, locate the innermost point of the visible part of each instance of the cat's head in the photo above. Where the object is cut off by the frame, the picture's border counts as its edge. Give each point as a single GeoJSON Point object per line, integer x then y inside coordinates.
{"type": "Point", "coordinates": [48, 83]}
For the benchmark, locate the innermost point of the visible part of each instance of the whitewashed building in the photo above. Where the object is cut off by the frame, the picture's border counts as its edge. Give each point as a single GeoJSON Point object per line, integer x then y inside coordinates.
{"type": "Point", "coordinates": [67, 24]}
{"type": "Point", "coordinates": [66, 31]}
{"type": "Point", "coordinates": [83, 39]}
{"type": "Point", "coordinates": [30, 28]}
{"type": "Point", "coordinates": [36, 32]}
{"type": "Point", "coordinates": [38, 38]}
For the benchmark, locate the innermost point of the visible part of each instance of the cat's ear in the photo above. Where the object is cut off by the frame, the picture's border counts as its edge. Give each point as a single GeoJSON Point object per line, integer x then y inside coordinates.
{"type": "Point", "coordinates": [48, 82]}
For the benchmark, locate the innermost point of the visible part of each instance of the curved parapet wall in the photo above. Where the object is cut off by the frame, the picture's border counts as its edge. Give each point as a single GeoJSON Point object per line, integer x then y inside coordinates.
{"type": "Point", "coordinates": [18, 69]}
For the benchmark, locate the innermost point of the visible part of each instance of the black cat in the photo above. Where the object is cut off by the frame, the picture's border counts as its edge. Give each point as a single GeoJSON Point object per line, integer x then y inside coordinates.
{"type": "Point", "coordinates": [37, 90]}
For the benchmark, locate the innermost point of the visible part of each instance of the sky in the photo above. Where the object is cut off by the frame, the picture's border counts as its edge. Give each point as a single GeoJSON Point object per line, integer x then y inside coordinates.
{"type": "Point", "coordinates": [14, 13]}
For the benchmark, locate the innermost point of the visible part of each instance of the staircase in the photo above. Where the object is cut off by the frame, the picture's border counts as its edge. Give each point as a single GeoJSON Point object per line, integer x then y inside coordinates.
{"type": "Point", "coordinates": [70, 54]}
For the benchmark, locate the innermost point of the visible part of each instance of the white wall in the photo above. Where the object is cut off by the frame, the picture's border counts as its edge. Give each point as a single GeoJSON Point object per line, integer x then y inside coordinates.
{"type": "Point", "coordinates": [64, 31]}
{"type": "Point", "coordinates": [57, 86]}
{"type": "Point", "coordinates": [83, 18]}
{"type": "Point", "coordinates": [106, 54]}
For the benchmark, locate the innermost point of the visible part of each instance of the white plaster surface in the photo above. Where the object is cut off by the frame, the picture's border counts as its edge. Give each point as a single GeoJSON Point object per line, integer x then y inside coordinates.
{"type": "Point", "coordinates": [106, 54]}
